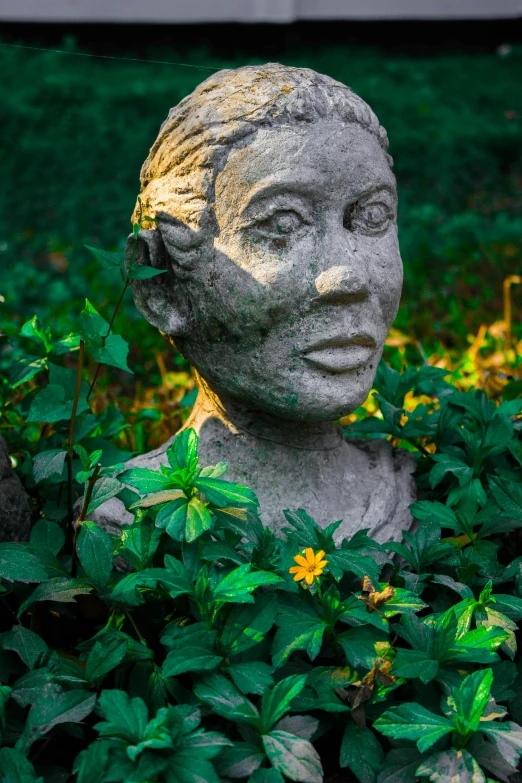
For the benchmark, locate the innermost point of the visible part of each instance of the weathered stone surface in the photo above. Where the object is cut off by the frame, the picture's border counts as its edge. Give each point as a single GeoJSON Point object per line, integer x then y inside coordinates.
{"type": "Point", "coordinates": [15, 519]}
{"type": "Point", "coordinates": [275, 207]}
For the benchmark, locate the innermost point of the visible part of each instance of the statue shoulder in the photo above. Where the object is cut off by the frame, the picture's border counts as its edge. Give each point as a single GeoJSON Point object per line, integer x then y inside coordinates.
{"type": "Point", "coordinates": [381, 453]}
{"type": "Point", "coordinates": [388, 514]}
{"type": "Point", "coordinates": [152, 459]}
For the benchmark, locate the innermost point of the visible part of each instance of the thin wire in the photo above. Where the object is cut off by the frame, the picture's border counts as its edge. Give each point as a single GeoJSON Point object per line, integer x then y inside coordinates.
{"type": "Point", "coordinates": [110, 57]}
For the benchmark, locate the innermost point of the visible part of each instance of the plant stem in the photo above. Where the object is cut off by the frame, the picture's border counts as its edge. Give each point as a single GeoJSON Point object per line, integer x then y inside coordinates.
{"type": "Point", "coordinates": [83, 513]}
{"type": "Point", "coordinates": [136, 629]}
{"type": "Point", "coordinates": [6, 605]}
{"type": "Point", "coordinates": [418, 446]}
{"type": "Point", "coordinates": [120, 300]}
{"type": "Point", "coordinates": [70, 439]}
{"type": "Point", "coordinates": [104, 339]}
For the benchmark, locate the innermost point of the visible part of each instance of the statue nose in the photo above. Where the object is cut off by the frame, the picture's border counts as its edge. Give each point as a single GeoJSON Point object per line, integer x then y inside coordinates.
{"type": "Point", "coordinates": [341, 283]}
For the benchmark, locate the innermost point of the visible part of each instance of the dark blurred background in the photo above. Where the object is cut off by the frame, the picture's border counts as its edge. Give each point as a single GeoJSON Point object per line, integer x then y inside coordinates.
{"type": "Point", "coordinates": [74, 131]}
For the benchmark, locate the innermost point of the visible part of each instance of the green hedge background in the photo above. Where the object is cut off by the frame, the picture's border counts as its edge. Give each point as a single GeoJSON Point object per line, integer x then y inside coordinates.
{"type": "Point", "coordinates": [75, 130]}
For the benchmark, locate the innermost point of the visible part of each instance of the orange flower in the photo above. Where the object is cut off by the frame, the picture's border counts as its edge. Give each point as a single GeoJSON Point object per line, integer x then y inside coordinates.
{"type": "Point", "coordinates": [308, 567]}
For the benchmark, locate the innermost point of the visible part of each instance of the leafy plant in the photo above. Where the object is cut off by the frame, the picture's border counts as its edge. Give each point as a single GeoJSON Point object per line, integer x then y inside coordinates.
{"type": "Point", "coordinates": [195, 645]}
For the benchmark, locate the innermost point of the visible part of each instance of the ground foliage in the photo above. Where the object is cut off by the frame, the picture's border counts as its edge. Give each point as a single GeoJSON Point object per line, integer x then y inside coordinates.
{"type": "Point", "coordinates": [182, 650]}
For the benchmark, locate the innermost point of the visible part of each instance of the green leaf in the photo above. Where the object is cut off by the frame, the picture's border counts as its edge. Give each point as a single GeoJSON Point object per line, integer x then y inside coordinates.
{"type": "Point", "coordinates": [35, 332]}
{"type": "Point", "coordinates": [175, 578]}
{"type": "Point", "coordinates": [303, 726]}
{"type": "Point", "coordinates": [141, 272]}
{"type": "Point", "coordinates": [173, 518]}
{"type": "Point", "coordinates": [183, 451]}
{"type": "Point", "coordinates": [27, 689]}
{"type": "Point", "coordinates": [449, 464]}
{"type": "Point", "coordinates": [487, 755]}
{"type": "Point", "coordinates": [433, 509]}
{"type": "Point", "coordinates": [240, 761]}
{"type": "Point", "coordinates": [25, 368]}
{"type": "Point", "coordinates": [211, 471]}
{"type": "Point", "coordinates": [225, 699]}
{"type": "Point", "coordinates": [238, 585]}
{"type": "Point", "coordinates": [94, 549]}
{"type": "Point", "coordinates": [413, 722]}
{"type": "Point", "coordinates": [223, 494]}
{"type": "Point", "coordinates": [18, 564]}
{"type": "Point", "coordinates": [71, 342]}
{"type": "Point", "coordinates": [360, 645]}
{"type": "Point", "coordinates": [125, 718]}
{"type": "Point", "coordinates": [420, 635]}
{"type": "Point", "coordinates": [277, 700]}
{"type": "Point", "coordinates": [192, 648]}
{"type": "Point", "coordinates": [403, 601]}
{"type": "Point", "coordinates": [463, 590]}
{"type": "Point", "coordinates": [61, 589]}
{"type": "Point", "coordinates": [478, 645]}
{"type": "Point", "coordinates": [91, 764]}
{"type": "Point", "coordinates": [508, 496]}
{"type": "Point", "coordinates": [55, 401]}
{"type": "Point", "coordinates": [251, 677]}
{"type": "Point", "coordinates": [294, 757]}
{"type": "Point", "coordinates": [218, 550]}
{"type": "Point", "coordinates": [507, 736]}
{"type": "Point", "coordinates": [471, 698]}
{"type": "Point", "coordinates": [361, 752]}
{"type": "Point", "coordinates": [157, 498]}
{"type": "Point", "coordinates": [104, 489]}
{"type": "Point", "coordinates": [509, 605]}
{"type": "Point", "coordinates": [105, 348]}
{"type": "Point", "coordinates": [190, 769]}
{"type": "Point", "coordinates": [248, 625]}
{"type": "Point", "coordinates": [145, 480]}
{"type": "Point", "coordinates": [29, 646]}
{"type": "Point", "coordinates": [15, 767]}
{"type": "Point", "coordinates": [341, 561]}
{"type": "Point", "coordinates": [47, 536]}
{"type": "Point", "coordinates": [107, 259]}
{"type": "Point", "coordinates": [53, 708]}
{"type": "Point", "coordinates": [457, 766]}
{"type": "Point", "coordinates": [140, 540]}
{"type": "Point", "coordinates": [414, 663]}
{"type": "Point", "coordinates": [48, 463]}
{"type": "Point", "coordinates": [107, 653]}
{"type": "Point", "coordinates": [266, 776]}
{"type": "Point", "coordinates": [198, 519]}
{"type": "Point", "coordinates": [300, 628]}
{"type": "Point", "coordinates": [400, 766]}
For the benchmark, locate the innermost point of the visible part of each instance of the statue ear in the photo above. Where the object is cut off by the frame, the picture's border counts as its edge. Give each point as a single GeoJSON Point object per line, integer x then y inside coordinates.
{"type": "Point", "coordinates": [157, 298]}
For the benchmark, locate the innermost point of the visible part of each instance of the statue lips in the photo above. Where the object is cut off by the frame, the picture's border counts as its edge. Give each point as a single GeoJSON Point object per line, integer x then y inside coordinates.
{"type": "Point", "coordinates": [341, 354]}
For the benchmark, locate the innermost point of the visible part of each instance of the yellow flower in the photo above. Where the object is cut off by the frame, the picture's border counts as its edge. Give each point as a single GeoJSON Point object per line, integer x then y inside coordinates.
{"type": "Point", "coordinates": [309, 566]}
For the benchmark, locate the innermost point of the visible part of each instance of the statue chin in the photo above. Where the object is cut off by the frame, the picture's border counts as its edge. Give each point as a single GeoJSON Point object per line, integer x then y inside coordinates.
{"type": "Point", "coordinates": [276, 208]}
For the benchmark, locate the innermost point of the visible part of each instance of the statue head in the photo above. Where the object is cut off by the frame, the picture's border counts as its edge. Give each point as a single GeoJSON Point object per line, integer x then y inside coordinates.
{"type": "Point", "coordinates": [275, 207]}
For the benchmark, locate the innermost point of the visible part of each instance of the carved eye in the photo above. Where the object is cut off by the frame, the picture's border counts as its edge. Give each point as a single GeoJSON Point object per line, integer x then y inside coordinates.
{"type": "Point", "coordinates": [370, 218]}
{"type": "Point", "coordinates": [279, 225]}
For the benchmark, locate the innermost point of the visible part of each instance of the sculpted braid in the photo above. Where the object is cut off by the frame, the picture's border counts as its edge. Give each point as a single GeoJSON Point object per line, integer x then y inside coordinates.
{"type": "Point", "coordinates": [223, 112]}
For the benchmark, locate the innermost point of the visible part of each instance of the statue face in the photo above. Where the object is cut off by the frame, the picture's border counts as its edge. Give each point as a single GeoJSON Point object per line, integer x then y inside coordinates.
{"type": "Point", "coordinates": [290, 311]}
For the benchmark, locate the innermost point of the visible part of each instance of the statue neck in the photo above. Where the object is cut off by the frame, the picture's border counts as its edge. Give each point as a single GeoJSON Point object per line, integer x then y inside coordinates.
{"type": "Point", "coordinates": [240, 419]}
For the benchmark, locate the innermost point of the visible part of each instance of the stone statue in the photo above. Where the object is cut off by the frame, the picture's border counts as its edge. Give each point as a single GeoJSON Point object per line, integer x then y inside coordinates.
{"type": "Point", "coordinates": [275, 207]}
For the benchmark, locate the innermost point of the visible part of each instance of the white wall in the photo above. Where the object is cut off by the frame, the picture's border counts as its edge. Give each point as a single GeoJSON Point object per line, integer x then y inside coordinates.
{"type": "Point", "coordinates": [144, 11]}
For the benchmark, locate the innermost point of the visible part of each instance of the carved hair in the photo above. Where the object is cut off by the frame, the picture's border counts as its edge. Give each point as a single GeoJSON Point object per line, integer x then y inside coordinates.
{"type": "Point", "coordinates": [223, 112]}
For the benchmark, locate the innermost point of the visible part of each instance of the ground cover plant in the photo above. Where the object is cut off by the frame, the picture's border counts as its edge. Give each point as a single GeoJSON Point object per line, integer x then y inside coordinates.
{"type": "Point", "coordinates": [196, 646]}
